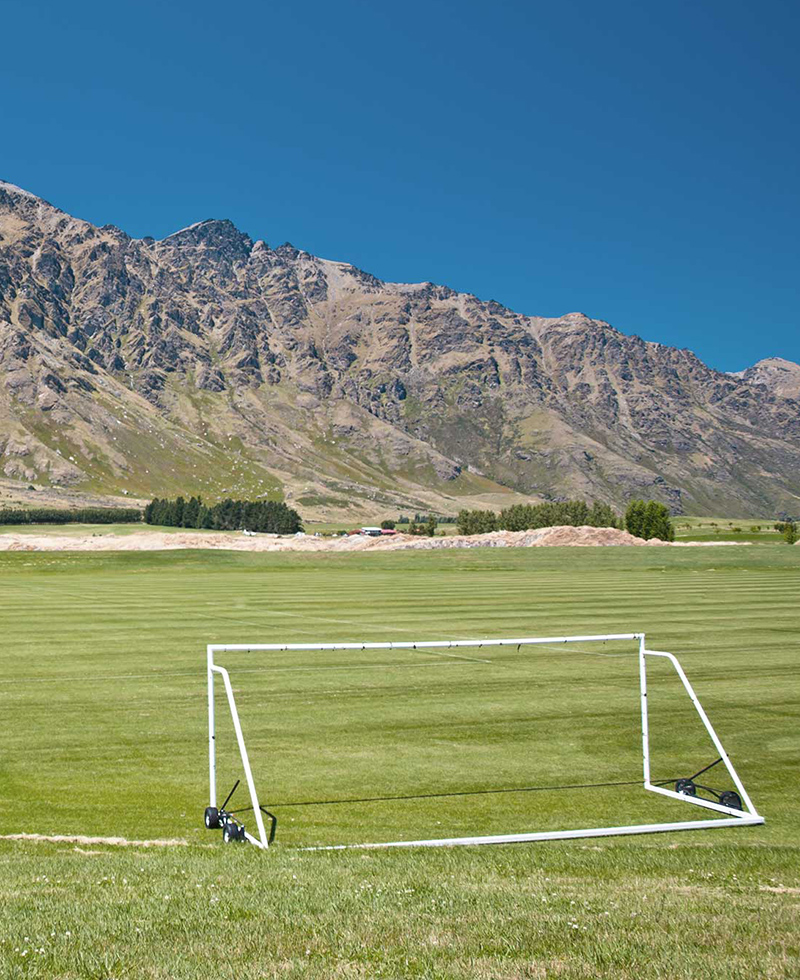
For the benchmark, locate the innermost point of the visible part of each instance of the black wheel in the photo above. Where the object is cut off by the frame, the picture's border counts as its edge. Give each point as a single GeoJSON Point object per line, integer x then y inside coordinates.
{"type": "Point", "coordinates": [731, 799]}
{"type": "Point", "coordinates": [232, 832]}
{"type": "Point", "coordinates": [211, 818]}
{"type": "Point", "coordinates": [686, 787]}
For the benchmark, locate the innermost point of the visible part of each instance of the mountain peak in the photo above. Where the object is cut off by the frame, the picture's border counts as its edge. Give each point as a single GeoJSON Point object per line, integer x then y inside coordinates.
{"type": "Point", "coordinates": [14, 196]}
{"type": "Point", "coordinates": [213, 236]}
{"type": "Point", "coordinates": [211, 231]}
{"type": "Point", "coordinates": [10, 188]}
{"type": "Point", "coordinates": [780, 375]}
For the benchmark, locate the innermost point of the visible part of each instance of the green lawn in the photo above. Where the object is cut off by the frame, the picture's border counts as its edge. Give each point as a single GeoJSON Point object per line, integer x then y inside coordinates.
{"type": "Point", "coordinates": [102, 690]}
{"type": "Point", "coordinates": [724, 529]}
{"type": "Point", "coordinates": [80, 530]}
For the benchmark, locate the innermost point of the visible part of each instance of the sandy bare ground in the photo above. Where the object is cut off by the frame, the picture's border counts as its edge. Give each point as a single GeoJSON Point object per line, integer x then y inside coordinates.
{"type": "Point", "coordinates": [160, 541]}
{"type": "Point", "coordinates": [82, 839]}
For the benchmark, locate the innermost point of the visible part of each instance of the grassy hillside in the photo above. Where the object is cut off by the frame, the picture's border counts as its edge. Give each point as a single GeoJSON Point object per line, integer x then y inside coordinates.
{"type": "Point", "coordinates": [102, 684]}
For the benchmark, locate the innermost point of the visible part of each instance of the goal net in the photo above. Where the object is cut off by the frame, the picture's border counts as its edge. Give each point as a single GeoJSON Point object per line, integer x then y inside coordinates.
{"type": "Point", "coordinates": [446, 742]}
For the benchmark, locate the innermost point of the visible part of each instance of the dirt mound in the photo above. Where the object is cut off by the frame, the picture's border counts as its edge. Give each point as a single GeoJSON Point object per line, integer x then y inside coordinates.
{"type": "Point", "coordinates": [559, 536]}
{"type": "Point", "coordinates": [161, 541]}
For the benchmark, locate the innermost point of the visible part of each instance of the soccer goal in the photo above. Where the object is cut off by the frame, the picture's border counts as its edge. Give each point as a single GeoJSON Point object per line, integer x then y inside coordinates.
{"type": "Point", "coordinates": [732, 805]}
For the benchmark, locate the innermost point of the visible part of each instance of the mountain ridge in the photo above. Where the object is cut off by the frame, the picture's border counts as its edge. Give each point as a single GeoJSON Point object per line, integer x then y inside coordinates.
{"type": "Point", "coordinates": [209, 362]}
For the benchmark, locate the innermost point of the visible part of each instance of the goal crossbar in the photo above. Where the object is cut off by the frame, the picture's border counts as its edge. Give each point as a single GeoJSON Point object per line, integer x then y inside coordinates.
{"type": "Point", "coordinates": [731, 816]}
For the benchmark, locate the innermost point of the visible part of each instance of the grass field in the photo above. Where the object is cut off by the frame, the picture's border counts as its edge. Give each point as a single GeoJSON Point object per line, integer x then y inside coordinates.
{"type": "Point", "coordinates": [103, 702]}
{"type": "Point", "coordinates": [723, 529]}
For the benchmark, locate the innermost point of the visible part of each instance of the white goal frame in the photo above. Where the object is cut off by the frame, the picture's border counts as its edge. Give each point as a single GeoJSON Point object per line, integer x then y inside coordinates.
{"type": "Point", "coordinates": [731, 817]}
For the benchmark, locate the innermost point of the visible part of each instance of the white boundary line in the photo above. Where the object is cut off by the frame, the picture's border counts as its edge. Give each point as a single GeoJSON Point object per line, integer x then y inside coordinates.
{"type": "Point", "coordinates": [732, 817]}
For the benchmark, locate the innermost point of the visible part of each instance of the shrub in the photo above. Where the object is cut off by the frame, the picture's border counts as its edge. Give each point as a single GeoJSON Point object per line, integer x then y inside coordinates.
{"type": "Point", "coordinates": [388, 525]}
{"type": "Point", "coordinates": [649, 520]}
{"type": "Point", "coordinates": [790, 532]}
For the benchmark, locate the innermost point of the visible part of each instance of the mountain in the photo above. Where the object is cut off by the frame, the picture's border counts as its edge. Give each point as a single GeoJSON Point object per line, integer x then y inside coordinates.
{"type": "Point", "coordinates": [208, 362]}
{"type": "Point", "coordinates": [780, 376]}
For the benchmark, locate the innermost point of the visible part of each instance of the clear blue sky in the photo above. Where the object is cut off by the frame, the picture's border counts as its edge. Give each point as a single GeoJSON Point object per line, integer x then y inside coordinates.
{"type": "Point", "coordinates": [637, 161]}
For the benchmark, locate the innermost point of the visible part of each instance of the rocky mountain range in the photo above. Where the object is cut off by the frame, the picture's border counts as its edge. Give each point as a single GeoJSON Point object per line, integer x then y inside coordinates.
{"type": "Point", "coordinates": [208, 362]}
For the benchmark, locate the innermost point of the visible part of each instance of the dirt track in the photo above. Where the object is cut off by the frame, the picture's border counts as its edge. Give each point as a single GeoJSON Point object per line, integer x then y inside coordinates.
{"type": "Point", "coordinates": [161, 541]}
{"type": "Point", "coordinates": [83, 839]}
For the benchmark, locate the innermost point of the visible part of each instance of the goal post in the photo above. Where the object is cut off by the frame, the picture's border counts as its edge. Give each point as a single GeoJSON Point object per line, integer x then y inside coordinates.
{"type": "Point", "coordinates": [735, 808]}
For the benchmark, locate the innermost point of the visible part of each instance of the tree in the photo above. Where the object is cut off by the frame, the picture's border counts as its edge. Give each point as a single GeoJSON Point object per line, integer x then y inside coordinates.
{"type": "Point", "coordinates": [601, 515]}
{"type": "Point", "coordinates": [430, 526]}
{"type": "Point", "coordinates": [577, 512]}
{"type": "Point", "coordinates": [388, 525]}
{"type": "Point", "coordinates": [634, 518]}
{"type": "Point", "coordinates": [658, 521]}
{"type": "Point", "coordinates": [476, 521]}
{"type": "Point", "coordinates": [190, 512]}
{"type": "Point", "coordinates": [519, 517]}
{"type": "Point", "coordinates": [649, 520]}
{"type": "Point", "coordinates": [790, 532]}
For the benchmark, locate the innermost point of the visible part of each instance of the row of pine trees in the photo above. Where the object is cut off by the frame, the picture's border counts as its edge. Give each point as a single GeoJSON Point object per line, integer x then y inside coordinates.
{"type": "Point", "coordinates": [644, 519]}
{"type": "Point", "coordinates": [267, 516]}
{"type": "Point", "coordinates": [527, 517]}
{"type": "Point", "coordinates": [83, 515]}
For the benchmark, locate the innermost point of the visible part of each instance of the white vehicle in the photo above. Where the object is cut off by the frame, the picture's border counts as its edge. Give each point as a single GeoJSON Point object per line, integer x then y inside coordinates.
{"type": "Point", "coordinates": [373, 532]}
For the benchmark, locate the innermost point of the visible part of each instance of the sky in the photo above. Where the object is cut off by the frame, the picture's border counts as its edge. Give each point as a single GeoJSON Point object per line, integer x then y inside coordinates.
{"type": "Point", "coordinates": [635, 161]}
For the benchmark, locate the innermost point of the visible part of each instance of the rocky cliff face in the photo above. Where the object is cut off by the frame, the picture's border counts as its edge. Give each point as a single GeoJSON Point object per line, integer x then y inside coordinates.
{"type": "Point", "coordinates": [778, 375]}
{"type": "Point", "coordinates": [211, 363]}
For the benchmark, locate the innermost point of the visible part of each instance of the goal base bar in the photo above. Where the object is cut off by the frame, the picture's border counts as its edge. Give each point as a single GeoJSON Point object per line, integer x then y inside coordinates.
{"type": "Point", "coordinates": [644, 828]}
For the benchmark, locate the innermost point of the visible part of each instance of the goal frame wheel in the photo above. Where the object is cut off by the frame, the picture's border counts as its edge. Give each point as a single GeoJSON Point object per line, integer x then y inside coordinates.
{"type": "Point", "coordinates": [232, 832]}
{"type": "Point", "coordinates": [731, 798]}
